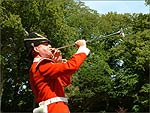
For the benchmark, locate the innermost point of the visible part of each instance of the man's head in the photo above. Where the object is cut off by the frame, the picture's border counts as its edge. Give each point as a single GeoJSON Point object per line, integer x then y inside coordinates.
{"type": "Point", "coordinates": [38, 45]}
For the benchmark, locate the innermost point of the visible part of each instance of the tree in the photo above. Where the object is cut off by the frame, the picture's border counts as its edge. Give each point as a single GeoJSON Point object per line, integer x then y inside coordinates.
{"type": "Point", "coordinates": [133, 51]}
{"type": "Point", "coordinates": [147, 2]}
{"type": "Point", "coordinates": [115, 73]}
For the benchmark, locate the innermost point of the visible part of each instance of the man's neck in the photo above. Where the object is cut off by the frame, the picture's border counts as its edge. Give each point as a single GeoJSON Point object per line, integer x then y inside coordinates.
{"type": "Point", "coordinates": [38, 58]}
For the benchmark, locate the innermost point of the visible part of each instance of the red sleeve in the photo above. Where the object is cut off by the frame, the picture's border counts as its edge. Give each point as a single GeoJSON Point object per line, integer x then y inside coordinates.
{"type": "Point", "coordinates": [54, 70]}
{"type": "Point", "coordinates": [67, 78]}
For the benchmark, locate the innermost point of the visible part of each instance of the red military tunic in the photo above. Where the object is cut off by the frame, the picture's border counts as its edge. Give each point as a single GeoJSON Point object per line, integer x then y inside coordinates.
{"type": "Point", "coordinates": [48, 79]}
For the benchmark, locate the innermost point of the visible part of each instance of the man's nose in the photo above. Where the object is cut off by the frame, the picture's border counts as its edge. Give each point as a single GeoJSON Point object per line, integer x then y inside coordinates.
{"type": "Point", "coordinates": [51, 49]}
{"type": "Point", "coordinates": [49, 46]}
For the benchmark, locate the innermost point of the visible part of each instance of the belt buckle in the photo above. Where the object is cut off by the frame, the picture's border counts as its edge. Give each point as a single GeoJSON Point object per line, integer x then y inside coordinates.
{"type": "Point", "coordinates": [41, 103]}
{"type": "Point", "coordinates": [50, 101]}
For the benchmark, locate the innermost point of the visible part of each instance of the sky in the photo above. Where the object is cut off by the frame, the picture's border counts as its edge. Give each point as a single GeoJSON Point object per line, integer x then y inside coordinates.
{"type": "Point", "coordinates": [119, 6]}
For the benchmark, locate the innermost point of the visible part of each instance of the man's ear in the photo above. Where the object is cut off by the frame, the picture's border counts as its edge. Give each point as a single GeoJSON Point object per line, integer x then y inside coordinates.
{"type": "Point", "coordinates": [36, 49]}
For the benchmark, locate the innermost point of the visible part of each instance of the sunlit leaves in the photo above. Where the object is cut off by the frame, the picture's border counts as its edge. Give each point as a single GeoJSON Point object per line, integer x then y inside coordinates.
{"type": "Point", "coordinates": [116, 71]}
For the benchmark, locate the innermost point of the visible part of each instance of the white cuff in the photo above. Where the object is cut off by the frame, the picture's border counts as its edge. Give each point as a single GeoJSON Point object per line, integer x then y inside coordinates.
{"type": "Point", "coordinates": [83, 49]}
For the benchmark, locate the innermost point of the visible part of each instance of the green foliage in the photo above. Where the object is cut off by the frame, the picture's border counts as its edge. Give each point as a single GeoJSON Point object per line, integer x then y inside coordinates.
{"type": "Point", "coordinates": [115, 73]}
{"type": "Point", "coordinates": [147, 2]}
